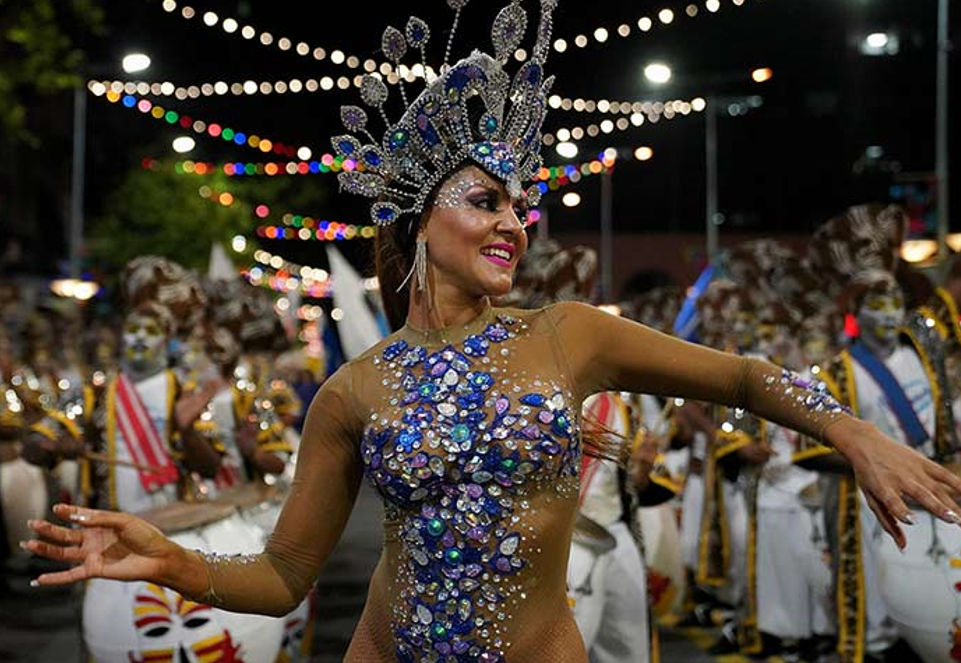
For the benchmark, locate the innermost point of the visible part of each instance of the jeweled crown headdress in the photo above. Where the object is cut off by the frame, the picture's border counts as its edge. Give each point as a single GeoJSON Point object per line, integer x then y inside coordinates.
{"type": "Point", "coordinates": [444, 127]}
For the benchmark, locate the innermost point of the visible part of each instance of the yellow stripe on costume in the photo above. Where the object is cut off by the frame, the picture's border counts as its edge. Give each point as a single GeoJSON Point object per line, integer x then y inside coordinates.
{"type": "Point", "coordinates": [44, 430]}
{"type": "Point", "coordinates": [112, 443]}
{"type": "Point", "coordinates": [66, 422]}
{"type": "Point", "coordinates": [732, 441]}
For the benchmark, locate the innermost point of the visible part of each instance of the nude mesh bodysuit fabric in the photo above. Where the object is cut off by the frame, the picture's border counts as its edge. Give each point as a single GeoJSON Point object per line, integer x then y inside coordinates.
{"type": "Point", "coordinates": [471, 435]}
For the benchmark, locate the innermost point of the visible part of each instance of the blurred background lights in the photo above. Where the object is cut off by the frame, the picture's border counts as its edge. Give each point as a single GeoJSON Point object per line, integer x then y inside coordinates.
{"type": "Point", "coordinates": [238, 243]}
{"type": "Point", "coordinates": [658, 73]}
{"type": "Point", "coordinates": [643, 153]}
{"type": "Point", "coordinates": [337, 314]}
{"type": "Point", "coordinates": [566, 150]}
{"type": "Point", "coordinates": [183, 144]}
{"type": "Point", "coordinates": [880, 43]}
{"type": "Point", "coordinates": [134, 62]}
{"type": "Point", "coordinates": [571, 199]}
{"type": "Point", "coordinates": [762, 75]}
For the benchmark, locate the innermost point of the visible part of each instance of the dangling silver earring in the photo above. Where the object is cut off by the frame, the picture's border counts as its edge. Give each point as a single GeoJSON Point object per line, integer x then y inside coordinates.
{"type": "Point", "coordinates": [419, 267]}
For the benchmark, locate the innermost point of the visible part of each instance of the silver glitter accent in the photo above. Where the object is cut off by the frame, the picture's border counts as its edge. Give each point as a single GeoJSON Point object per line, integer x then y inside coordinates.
{"type": "Point", "coordinates": [451, 195]}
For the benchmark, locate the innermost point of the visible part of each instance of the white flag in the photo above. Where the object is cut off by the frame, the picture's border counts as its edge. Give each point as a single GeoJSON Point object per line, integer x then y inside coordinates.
{"type": "Point", "coordinates": [220, 268]}
{"type": "Point", "coordinates": [358, 329]}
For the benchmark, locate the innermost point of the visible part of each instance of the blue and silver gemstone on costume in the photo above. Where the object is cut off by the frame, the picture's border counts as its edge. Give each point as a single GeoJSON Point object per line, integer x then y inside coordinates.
{"type": "Point", "coordinates": [455, 462]}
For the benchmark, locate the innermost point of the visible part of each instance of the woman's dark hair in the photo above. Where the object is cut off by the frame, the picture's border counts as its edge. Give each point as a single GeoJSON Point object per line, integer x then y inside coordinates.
{"type": "Point", "coordinates": [394, 249]}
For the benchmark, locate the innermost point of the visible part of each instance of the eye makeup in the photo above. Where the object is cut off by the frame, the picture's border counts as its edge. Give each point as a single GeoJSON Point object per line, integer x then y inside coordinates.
{"type": "Point", "coordinates": [451, 195]}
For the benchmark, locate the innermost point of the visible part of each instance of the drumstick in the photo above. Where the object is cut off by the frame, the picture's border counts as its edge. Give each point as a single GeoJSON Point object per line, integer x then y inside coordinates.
{"type": "Point", "coordinates": [104, 458]}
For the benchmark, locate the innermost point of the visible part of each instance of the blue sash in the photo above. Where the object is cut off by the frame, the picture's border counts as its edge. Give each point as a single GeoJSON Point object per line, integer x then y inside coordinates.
{"type": "Point", "coordinates": [897, 399]}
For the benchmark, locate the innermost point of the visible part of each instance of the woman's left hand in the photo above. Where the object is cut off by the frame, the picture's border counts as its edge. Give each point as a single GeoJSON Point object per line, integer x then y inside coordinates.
{"type": "Point", "coordinates": [889, 473]}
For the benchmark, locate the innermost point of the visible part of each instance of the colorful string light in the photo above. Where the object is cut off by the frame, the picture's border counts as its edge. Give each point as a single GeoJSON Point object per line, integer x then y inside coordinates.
{"type": "Point", "coordinates": [201, 127]}
{"type": "Point", "coordinates": [326, 164]}
{"type": "Point", "coordinates": [305, 228]}
{"type": "Point", "coordinates": [296, 226]}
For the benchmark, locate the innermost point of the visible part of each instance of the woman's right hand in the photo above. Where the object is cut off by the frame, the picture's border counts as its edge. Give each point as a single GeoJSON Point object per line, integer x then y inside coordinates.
{"type": "Point", "coordinates": [108, 544]}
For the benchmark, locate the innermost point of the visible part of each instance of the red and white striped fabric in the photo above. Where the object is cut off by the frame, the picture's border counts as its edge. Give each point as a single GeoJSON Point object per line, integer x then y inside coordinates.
{"type": "Point", "coordinates": [147, 448]}
{"type": "Point", "coordinates": [599, 408]}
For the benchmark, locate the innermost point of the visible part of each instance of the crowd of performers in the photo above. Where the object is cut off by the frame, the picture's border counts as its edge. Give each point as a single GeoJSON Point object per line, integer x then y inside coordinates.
{"type": "Point", "coordinates": [722, 518]}
{"type": "Point", "coordinates": [702, 516]}
{"type": "Point", "coordinates": [185, 410]}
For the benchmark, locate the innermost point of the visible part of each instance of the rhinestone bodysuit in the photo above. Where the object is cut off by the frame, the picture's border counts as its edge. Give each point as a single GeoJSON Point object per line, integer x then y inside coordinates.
{"type": "Point", "coordinates": [456, 464]}
{"type": "Point", "coordinates": [471, 436]}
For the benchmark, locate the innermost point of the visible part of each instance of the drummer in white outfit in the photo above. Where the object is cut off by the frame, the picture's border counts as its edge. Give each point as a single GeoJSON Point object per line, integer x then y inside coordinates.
{"type": "Point", "coordinates": [613, 617]}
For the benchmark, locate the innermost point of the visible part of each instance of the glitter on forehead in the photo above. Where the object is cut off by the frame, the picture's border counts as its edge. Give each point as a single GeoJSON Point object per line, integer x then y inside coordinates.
{"type": "Point", "coordinates": [451, 195]}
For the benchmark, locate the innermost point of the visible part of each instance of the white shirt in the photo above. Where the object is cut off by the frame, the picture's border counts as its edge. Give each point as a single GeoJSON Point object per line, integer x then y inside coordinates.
{"type": "Point", "coordinates": [131, 496]}
{"type": "Point", "coordinates": [873, 405]}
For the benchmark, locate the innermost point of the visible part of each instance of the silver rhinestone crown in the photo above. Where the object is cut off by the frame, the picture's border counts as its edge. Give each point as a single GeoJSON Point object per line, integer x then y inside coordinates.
{"type": "Point", "coordinates": [472, 112]}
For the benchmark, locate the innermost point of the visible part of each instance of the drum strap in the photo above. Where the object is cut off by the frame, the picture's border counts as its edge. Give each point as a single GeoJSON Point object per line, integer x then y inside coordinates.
{"type": "Point", "coordinates": [144, 443]}
{"type": "Point", "coordinates": [900, 404]}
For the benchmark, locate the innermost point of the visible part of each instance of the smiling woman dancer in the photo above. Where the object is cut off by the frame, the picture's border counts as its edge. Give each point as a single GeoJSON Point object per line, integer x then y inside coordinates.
{"type": "Point", "coordinates": [466, 419]}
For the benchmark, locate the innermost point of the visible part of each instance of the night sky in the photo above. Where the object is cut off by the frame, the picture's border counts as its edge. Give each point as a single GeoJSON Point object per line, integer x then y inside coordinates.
{"type": "Point", "coordinates": [785, 167]}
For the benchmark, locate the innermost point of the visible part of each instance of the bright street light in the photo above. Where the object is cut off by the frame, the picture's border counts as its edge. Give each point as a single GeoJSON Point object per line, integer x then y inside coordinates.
{"type": "Point", "coordinates": [657, 73]}
{"type": "Point", "coordinates": [880, 43]}
{"type": "Point", "coordinates": [183, 144]}
{"type": "Point", "coordinates": [762, 75]}
{"type": "Point", "coordinates": [877, 40]}
{"type": "Point", "coordinates": [134, 62]}
{"type": "Point", "coordinates": [643, 153]}
{"type": "Point", "coordinates": [566, 150]}
{"type": "Point", "coordinates": [571, 199]}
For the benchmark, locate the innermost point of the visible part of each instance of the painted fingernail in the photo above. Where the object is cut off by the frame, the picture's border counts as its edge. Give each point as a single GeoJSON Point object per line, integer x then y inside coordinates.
{"type": "Point", "coordinates": [23, 545]}
{"type": "Point", "coordinates": [910, 518]}
{"type": "Point", "coordinates": [952, 517]}
{"type": "Point", "coordinates": [78, 518]}
{"type": "Point", "coordinates": [34, 583]}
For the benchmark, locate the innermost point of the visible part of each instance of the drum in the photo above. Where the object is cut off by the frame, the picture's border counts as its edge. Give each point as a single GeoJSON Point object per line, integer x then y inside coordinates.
{"type": "Point", "coordinates": [921, 587]}
{"type": "Point", "coordinates": [589, 544]}
{"type": "Point", "coordinates": [139, 621]}
{"type": "Point", "coordinates": [258, 503]}
{"type": "Point", "coordinates": [666, 578]}
{"type": "Point", "coordinates": [299, 632]}
{"type": "Point", "coordinates": [23, 491]}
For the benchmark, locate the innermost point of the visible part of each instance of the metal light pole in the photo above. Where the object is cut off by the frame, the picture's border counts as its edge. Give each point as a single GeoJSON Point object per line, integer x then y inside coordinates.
{"type": "Point", "coordinates": [607, 236]}
{"type": "Point", "coordinates": [132, 63]}
{"type": "Point", "coordinates": [77, 177]}
{"type": "Point", "coordinates": [710, 151]}
{"type": "Point", "coordinates": [941, 130]}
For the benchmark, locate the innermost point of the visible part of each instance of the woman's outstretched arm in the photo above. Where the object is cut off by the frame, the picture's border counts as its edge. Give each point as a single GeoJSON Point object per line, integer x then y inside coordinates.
{"type": "Point", "coordinates": [607, 352]}
{"type": "Point", "coordinates": [122, 547]}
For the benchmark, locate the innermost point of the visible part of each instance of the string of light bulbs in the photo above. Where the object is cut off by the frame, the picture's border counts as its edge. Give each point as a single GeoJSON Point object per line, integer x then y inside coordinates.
{"type": "Point", "coordinates": [667, 110]}
{"type": "Point", "coordinates": [607, 106]}
{"type": "Point", "coordinates": [337, 57]}
{"type": "Point", "coordinates": [201, 127]}
{"type": "Point", "coordinates": [286, 282]}
{"type": "Point", "coordinates": [664, 17]}
{"type": "Point", "coordinates": [328, 163]}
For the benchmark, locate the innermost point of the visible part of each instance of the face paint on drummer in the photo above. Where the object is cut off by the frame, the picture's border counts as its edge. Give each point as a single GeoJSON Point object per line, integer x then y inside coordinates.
{"type": "Point", "coordinates": [880, 319]}
{"type": "Point", "coordinates": [144, 345]}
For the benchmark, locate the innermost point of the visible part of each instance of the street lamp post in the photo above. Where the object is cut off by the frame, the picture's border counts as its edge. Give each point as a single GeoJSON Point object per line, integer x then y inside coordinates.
{"type": "Point", "coordinates": [134, 62]}
{"type": "Point", "coordinates": [710, 153]}
{"type": "Point", "coordinates": [77, 176]}
{"type": "Point", "coordinates": [941, 130]}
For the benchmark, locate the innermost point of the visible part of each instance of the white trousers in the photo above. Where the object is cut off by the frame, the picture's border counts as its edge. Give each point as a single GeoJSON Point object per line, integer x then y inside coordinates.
{"type": "Point", "coordinates": [793, 580]}
{"type": "Point", "coordinates": [610, 593]}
